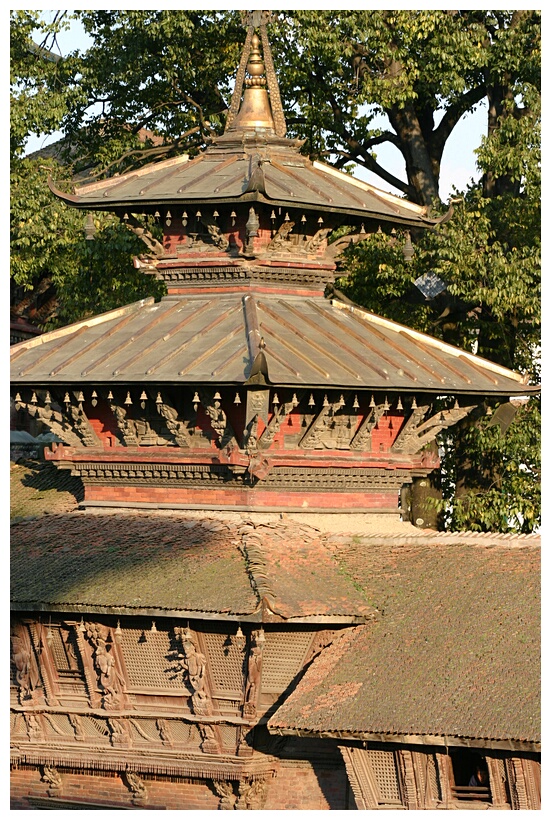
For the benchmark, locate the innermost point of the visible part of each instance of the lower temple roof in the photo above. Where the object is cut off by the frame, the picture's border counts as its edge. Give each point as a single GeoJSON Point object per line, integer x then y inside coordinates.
{"type": "Point", "coordinates": [214, 337]}
{"type": "Point", "coordinates": [442, 637]}
{"type": "Point", "coordinates": [179, 566]}
{"type": "Point", "coordinates": [454, 650]}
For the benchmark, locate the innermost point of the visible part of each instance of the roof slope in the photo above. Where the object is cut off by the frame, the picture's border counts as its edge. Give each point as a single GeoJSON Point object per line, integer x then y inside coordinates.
{"type": "Point", "coordinates": [224, 173]}
{"type": "Point", "coordinates": [214, 337]}
{"type": "Point", "coordinates": [176, 565]}
{"type": "Point", "coordinates": [38, 487]}
{"type": "Point", "coordinates": [455, 652]}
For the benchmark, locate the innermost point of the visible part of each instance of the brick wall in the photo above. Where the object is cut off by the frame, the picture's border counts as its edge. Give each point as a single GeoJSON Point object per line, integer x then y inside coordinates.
{"type": "Point", "coordinates": [306, 786]}
{"type": "Point", "coordinates": [299, 785]}
{"type": "Point", "coordinates": [224, 497]}
{"type": "Point", "coordinates": [108, 790]}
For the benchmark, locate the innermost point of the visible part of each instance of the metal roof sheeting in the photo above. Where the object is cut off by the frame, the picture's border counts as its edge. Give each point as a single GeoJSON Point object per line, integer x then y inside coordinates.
{"type": "Point", "coordinates": [224, 173]}
{"type": "Point", "coordinates": [214, 338]}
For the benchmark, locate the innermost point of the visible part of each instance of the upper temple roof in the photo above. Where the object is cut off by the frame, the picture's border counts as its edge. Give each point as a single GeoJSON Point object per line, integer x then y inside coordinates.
{"type": "Point", "coordinates": [253, 161]}
{"type": "Point", "coordinates": [248, 167]}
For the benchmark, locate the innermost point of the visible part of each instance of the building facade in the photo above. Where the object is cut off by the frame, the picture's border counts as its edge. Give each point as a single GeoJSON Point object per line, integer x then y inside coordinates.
{"type": "Point", "coordinates": [193, 634]}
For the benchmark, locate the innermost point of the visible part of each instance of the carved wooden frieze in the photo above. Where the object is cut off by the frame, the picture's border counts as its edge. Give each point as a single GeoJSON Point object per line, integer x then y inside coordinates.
{"type": "Point", "coordinates": [215, 234]}
{"type": "Point", "coordinates": [219, 421]}
{"type": "Point", "coordinates": [416, 433]}
{"type": "Point", "coordinates": [362, 438]}
{"type": "Point", "coordinates": [133, 431]}
{"type": "Point", "coordinates": [52, 417]}
{"type": "Point", "coordinates": [258, 404]}
{"type": "Point", "coordinates": [280, 414]}
{"type": "Point", "coordinates": [176, 425]}
{"type": "Point", "coordinates": [281, 241]}
{"type": "Point", "coordinates": [193, 664]}
{"type": "Point", "coordinates": [331, 429]}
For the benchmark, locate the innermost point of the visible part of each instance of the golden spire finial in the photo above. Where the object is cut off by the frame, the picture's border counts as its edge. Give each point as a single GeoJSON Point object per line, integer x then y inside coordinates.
{"type": "Point", "coordinates": [258, 111]}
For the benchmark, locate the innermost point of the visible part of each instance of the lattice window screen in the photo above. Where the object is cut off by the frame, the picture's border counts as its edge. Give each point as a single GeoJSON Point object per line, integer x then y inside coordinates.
{"type": "Point", "coordinates": [228, 735]}
{"type": "Point", "coordinates": [150, 664]}
{"type": "Point", "coordinates": [384, 768]}
{"type": "Point", "coordinates": [225, 663]}
{"type": "Point", "coordinates": [61, 724]}
{"type": "Point", "coordinates": [142, 727]}
{"type": "Point", "coordinates": [283, 657]}
{"type": "Point", "coordinates": [186, 733]}
{"type": "Point", "coordinates": [65, 656]}
{"type": "Point", "coordinates": [93, 727]}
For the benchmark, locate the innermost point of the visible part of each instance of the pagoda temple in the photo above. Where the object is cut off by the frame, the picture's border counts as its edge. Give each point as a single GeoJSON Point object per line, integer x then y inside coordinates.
{"type": "Point", "coordinates": [208, 627]}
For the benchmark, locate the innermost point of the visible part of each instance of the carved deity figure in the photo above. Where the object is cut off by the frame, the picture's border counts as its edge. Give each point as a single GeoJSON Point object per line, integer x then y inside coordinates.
{"type": "Point", "coordinates": [218, 418]}
{"type": "Point", "coordinates": [76, 723]}
{"type": "Point", "coordinates": [27, 674]}
{"type": "Point", "coordinates": [194, 664]}
{"type": "Point", "coordinates": [281, 240]}
{"type": "Point", "coordinates": [34, 728]}
{"type": "Point", "coordinates": [254, 670]}
{"type": "Point", "coordinates": [111, 682]}
{"type": "Point", "coordinates": [51, 776]}
{"type": "Point", "coordinates": [252, 796]}
{"type": "Point", "coordinates": [136, 786]}
{"type": "Point", "coordinates": [164, 731]}
{"type": "Point", "coordinates": [176, 427]}
{"type": "Point", "coordinates": [224, 790]}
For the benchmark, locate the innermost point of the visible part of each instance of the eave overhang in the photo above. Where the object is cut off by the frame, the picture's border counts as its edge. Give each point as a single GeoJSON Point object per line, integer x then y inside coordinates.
{"type": "Point", "coordinates": [447, 741]}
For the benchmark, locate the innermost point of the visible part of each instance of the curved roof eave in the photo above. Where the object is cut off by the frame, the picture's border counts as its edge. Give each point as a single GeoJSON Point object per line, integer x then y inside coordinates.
{"type": "Point", "coordinates": [252, 196]}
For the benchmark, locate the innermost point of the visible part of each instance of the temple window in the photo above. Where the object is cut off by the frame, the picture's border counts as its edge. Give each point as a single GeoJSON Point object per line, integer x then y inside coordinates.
{"type": "Point", "coordinates": [469, 776]}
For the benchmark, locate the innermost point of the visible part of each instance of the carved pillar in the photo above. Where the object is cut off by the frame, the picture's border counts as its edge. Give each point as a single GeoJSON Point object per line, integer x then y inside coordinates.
{"type": "Point", "coordinates": [443, 764]}
{"type": "Point", "coordinates": [254, 673]}
{"type": "Point", "coordinates": [517, 784]}
{"type": "Point", "coordinates": [194, 666]}
{"type": "Point", "coordinates": [110, 680]}
{"type": "Point", "coordinates": [426, 778]}
{"type": "Point", "coordinates": [407, 779]}
{"type": "Point", "coordinates": [26, 666]}
{"type": "Point", "coordinates": [498, 782]}
{"type": "Point", "coordinates": [532, 780]}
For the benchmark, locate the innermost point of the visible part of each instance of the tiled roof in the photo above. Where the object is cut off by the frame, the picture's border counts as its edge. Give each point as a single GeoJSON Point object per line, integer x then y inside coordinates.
{"type": "Point", "coordinates": [37, 487]}
{"type": "Point", "coordinates": [215, 339]}
{"type": "Point", "coordinates": [160, 563]}
{"type": "Point", "coordinates": [455, 651]}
